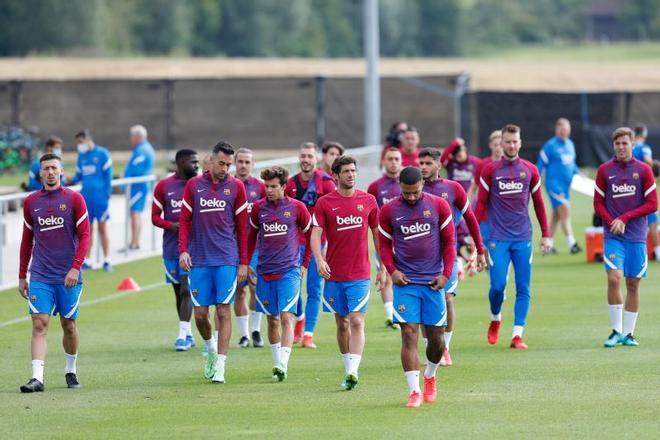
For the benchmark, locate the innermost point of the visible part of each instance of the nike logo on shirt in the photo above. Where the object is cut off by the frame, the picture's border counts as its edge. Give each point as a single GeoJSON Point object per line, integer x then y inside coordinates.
{"type": "Point", "coordinates": [399, 218]}
{"type": "Point", "coordinates": [170, 193]}
{"type": "Point", "coordinates": [334, 209]}
{"type": "Point", "coordinates": [200, 190]}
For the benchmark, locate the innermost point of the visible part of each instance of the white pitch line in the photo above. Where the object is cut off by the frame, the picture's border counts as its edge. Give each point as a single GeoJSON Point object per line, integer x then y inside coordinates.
{"type": "Point", "coordinates": [91, 302]}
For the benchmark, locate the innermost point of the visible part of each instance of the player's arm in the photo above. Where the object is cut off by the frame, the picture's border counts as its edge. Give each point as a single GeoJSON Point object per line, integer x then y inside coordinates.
{"type": "Point", "coordinates": [304, 222]}
{"type": "Point", "coordinates": [26, 250]}
{"type": "Point", "coordinates": [328, 186]}
{"type": "Point", "coordinates": [448, 152]}
{"type": "Point", "coordinates": [106, 169]}
{"type": "Point", "coordinates": [83, 234]}
{"type": "Point", "coordinates": [473, 191]}
{"type": "Point", "coordinates": [253, 229]}
{"type": "Point", "coordinates": [241, 222]}
{"type": "Point", "coordinates": [650, 204]}
{"type": "Point", "coordinates": [386, 243]}
{"type": "Point", "coordinates": [77, 177]}
{"type": "Point", "coordinates": [539, 208]}
{"type": "Point", "coordinates": [381, 277]}
{"type": "Point", "coordinates": [599, 198]}
{"type": "Point", "coordinates": [185, 225]}
{"type": "Point", "coordinates": [373, 190]}
{"type": "Point", "coordinates": [462, 204]}
{"type": "Point", "coordinates": [319, 223]}
{"type": "Point", "coordinates": [485, 181]}
{"type": "Point", "coordinates": [543, 159]}
{"type": "Point", "coordinates": [157, 204]}
{"type": "Point", "coordinates": [448, 240]}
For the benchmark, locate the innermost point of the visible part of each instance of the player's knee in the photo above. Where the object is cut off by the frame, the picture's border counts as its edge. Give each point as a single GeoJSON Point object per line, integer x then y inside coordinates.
{"type": "Point", "coordinates": [632, 286]}
{"type": "Point", "coordinates": [201, 314]}
{"type": "Point", "coordinates": [614, 278]}
{"type": "Point", "coordinates": [223, 311]}
{"type": "Point", "coordinates": [343, 324]}
{"type": "Point", "coordinates": [356, 322]}
{"type": "Point", "coordinates": [39, 325]}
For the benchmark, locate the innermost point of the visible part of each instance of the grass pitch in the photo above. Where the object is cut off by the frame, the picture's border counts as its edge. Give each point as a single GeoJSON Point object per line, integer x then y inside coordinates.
{"type": "Point", "coordinates": [136, 386]}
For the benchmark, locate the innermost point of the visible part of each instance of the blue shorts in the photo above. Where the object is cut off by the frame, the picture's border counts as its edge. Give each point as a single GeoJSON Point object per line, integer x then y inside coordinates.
{"type": "Point", "coordinates": [210, 285]}
{"type": "Point", "coordinates": [275, 297]}
{"type": "Point", "coordinates": [419, 304]}
{"type": "Point", "coordinates": [485, 231]}
{"type": "Point", "coordinates": [138, 197]}
{"type": "Point", "coordinates": [629, 257]}
{"type": "Point", "coordinates": [98, 209]}
{"type": "Point", "coordinates": [652, 218]}
{"type": "Point", "coordinates": [54, 298]}
{"type": "Point", "coordinates": [173, 271]}
{"type": "Point", "coordinates": [253, 265]}
{"type": "Point", "coordinates": [559, 193]}
{"type": "Point", "coordinates": [452, 282]}
{"type": "Point", "coordinates": [344, 297]}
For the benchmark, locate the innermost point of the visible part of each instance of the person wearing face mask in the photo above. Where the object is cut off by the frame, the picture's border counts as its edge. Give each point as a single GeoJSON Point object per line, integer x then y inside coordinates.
{"type": "Point", "coordinates": [53, 145]}
{"type": "Point", "coordinates": [94, 172]}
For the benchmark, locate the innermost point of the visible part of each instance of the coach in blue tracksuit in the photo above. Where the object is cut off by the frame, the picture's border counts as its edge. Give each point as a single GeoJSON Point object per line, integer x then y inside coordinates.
{"type": "Point", "coordinates": [141, 163]}
{"type": "Point", "coordinates": [557, 158]}
{"type": "Point", "coordinates": [94, 172]}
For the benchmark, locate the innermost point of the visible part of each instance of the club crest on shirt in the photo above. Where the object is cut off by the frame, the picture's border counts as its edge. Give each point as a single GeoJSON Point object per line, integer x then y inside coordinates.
{"type": "Point", "coordinates": [253, 194]}
{"type": "Point", "coordinates": [194, 292]}
{"type": "Point", "coordinates": [63, 207]}
{"type": "Point", "coordinates": [360, 208]}
{"type": "Point", "coordinates": [287, 214]}
{"type": "Point", "coordinates": [523, 174]}
{"type": "Point", "coordinates": [636, 176]}
{"type": "Point", "coordinates": [33, 298]}
{"type": "Point", "coordinates": [612, 256]}
{"type": "Point", "coordinates": [427, 213]}
{"type": "Point", "coordinates": [227, 191]}
{"type": "Point", "coordinates": [401, 308]}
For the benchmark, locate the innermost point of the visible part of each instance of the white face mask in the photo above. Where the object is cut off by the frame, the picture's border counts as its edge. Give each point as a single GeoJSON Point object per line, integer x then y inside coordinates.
{"type": "Point", "coordinates": [58, 151]}
{"type": "Point", "coordinates": [82, 148]}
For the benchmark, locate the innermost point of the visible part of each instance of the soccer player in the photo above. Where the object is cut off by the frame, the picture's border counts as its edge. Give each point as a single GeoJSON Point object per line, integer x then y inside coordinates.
{"type": "Point", "coordinates": [94, 171]}
{"type": "Point", "coordinates": [642, 151]}
{"type": "Point", "coordinates": [276, 224]}
{"type": "Point", "coordinates": [625, 194]}
{"type": "Point", "coordinates": [308, 186]}
{"type": "Point", "coordinates": [213, 248]}
{"type": "Point", "coordinates": [460, 165]}
{"type": "Point", "coordinates": [557, 157]}
{"type": "Point", "coordinates": [165, 213]}
{"type": "Point", "coordinates": [418, 248]}
{"type": "Point", "coordinates": [140, 164]}
{"type": "Point", "coordinates": [55, 238]}
{"type": "Point", "coordinates": [331, 151]}
{"type": "Point", "coordinates": [255, 190]}
{"type": "Point", "coordinates": [53, 145]}
{"type": "Point", "coordinates": [452, 192]}
{"type": "Point", "coordinates": [495, 146]}
{"type": "Point", "coordinates": [386, 189]}
{"type": "Point", "coordinates": [506, 186]}
{"type": "Point", "coordinates": [346, 215]}
{"type": "Point", "coordinates": [410, 147]}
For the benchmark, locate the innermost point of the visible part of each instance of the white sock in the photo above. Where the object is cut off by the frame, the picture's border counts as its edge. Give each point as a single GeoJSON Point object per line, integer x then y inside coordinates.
{"type": "Point", "coordinates": [220, 363]}
{"type": "Point", "coordinates": [616, 317]}
{"type": "Point", "coordinates": [517, 331]}
{"type": "Point", "coordinates": [70, 363]}
{"type": "Point", "coordinates": [285, 353]}
{"type": "Point", "coordinates": [211, 345]}
{"type": "Point", "coordinates": [184, 329]}
{"type": "Point", "coordinates": [243, 325]}
{"type": "Point", "coordinates": [255, 318]}
{"type": "Point", "coordinates": [346, 358]}
{"type": "Point", "coordinates": [448, 336]}
{"type": "Point", "coordinates": [497, 317]}
{"type": "Point", "coordinates": [275, 351]}
{"type": "Point", "coordinates": [215, 335]}
{"type": "Point", "coordinates": [570, 240]}
{"type": "Point", "coordinates": [412, 377]}
{"type": "Point", "coordinates": [425, 341]}
{"type": "Point", "coordinates": [354, 363]}
{"type": "Point", "coordinates": [300, 318]}
{"type": "Point", "coordinates": [430, 370]}
{"type": "Point", "coordinates": [389, 309]}
{"type": "Point", "coordinates": [38, 370]}
{"type": "Point", "coordinates": [629, 321]}
{"type": "Point", "coordinates": [657, 253]}
{"type": "Point", "coordinates": [189, 329]}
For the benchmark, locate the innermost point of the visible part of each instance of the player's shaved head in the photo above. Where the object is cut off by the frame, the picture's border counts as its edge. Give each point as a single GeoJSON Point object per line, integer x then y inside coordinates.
{"type": "Point", "coordinates": [183, 153]}
{"type": "Point", "coordinates": [410, 176]}
{"type": "Point", "coordinates": [187, 163]}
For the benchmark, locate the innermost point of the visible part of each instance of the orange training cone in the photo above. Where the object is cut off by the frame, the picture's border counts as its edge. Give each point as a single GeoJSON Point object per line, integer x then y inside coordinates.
{"type": "Point", "coordinates": [128, 285]}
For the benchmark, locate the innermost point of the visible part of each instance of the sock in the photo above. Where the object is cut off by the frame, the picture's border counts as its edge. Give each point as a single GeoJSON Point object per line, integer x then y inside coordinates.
{"type": "Point", "coordinates": [308, 334]}
{"type": "Point", "coordinates": [389, 309]}
{"type": "Point", "coordinates": [425, 341]}
{"type": "Point", "coordinates": [615, 317]}
{"type": "Point", "coordinates": [517, 331]}
{"type": "Point", "coordinates": [38, 370]}
{"type": "Point", "coordinates": [215, 335]}
{"type": "Point", "coordinates": [211, 345]}
{"type": "Point", "coordinates": [300, 318]}
{"type": "Point", "coordinates": [497, 317]}
{"type": "Point", "coordinates": [354, 363]}
{"type": "Point", "coordinates": [412, 377]}
{"type": "Point", "coordinates": [657, 253]}
{"type": "Point", "coordinates": [448, 336]}
{"type": "Point", "coordinates": [285, 353]}
{"type": "Point", "coordinates": [243, 325]}
{"type": "Point", "coordinates": [189, 333]}
{"type": "Point", "coordinates": [275, 351]}
{"type": "Point", "coordinates": [570, 240]}
{"type": "Point", "coordinates": [346, 358]}
{"type": "Point", "coordinates": [184, 329]}
{"type": "Point", "coordinates": [629, 320]}
{"type": "Point", "coordinates": [70, 363]}
{"type": "Point", "coordinates": [220, 363]}
{"type": "Point", "coordinates": [255, 318]}
{"type": "Point", "coordinates": [430, 370]}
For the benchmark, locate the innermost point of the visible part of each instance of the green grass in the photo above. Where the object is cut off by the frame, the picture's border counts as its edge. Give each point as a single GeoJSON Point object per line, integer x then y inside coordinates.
{"type": "Point", "coordinates": [135, 385]}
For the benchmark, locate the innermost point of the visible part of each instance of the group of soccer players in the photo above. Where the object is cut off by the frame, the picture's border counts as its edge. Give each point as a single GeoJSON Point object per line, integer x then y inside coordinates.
{"type": "Point", "coordinates": [224, 234]}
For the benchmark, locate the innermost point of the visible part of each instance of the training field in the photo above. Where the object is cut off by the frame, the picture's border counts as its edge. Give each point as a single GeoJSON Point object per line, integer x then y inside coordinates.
{"type": "Point", "coordinates": [135, 385]}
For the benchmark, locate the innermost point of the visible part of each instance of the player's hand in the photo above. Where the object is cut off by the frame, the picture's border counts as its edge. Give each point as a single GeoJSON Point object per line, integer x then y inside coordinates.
{"type": "Point", "coordinates": [252, 277]}
{"type": "Point", "coordinates": [23, 288]}
{"type": "Point", "coordinates": [303, 271]}
{"type": "Point", "coordinates": [324, 269]}
{"type": "Point", "coordinates": [617, 227]}
{"type": "Point", "coordinates": [72, 277]}
{"type": "Point", "coordinates": [438, 282]}
{"type": "Point", "coordinates": [481, 263]}
{"type": "Point", "coordinates": [174, 227]}
{"type": "Point", "coordinates": [381, 279]}
{"type": "Point", "coordinates": [546, 245]}
{"type": "Point", "coordinates": [399, 278]}
{"type": "Point", "coordinates": [185, 262]}
{"type": "Point", "coordinates": [242, 273]}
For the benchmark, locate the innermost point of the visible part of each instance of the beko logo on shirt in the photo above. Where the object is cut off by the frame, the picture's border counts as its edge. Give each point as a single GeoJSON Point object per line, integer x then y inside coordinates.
{"type": "Point", "coordinates": [416, 230]}
{"type": "Point", "coordinates": [273, 229]}
{"type": "Point", "coordinates": [349, 222]}
{"type": "Point", "coordinates": [510, 187]}
{"type": "Point", "coordinates": [51, 222]}
{"type": "Point", "coordinates": [210, 205]}
{"type": "Point", "coordinates": [176, 203]}
{"type": "Point", "coordinates": [623, 190]}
